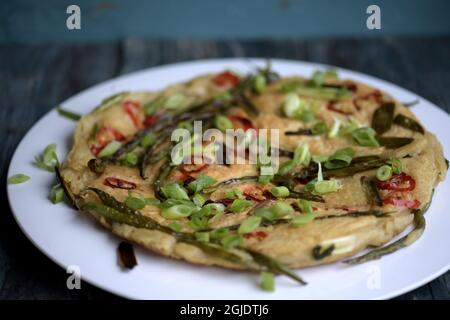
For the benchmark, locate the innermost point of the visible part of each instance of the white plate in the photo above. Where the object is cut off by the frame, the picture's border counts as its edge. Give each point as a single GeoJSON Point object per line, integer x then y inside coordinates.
{"type": "Point", "coordinates": [68, 238]}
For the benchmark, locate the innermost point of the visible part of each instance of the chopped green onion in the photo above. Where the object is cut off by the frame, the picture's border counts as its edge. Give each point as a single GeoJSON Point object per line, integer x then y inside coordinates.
{"type": "Point", "coordinates": [384, 173]}
{"type": "Point", "coordinates": [334, 129]}
{"type": "Point", "coordinates": [148, 140]}
{"type": "Point", "coordinates": [175, 226]}
{"type": "Point", "coordinates": [280, 209]}
{"type": "Point", "coordinates": [265, 179]}
{"type": "Point", "coordinates": [285, 167]}
{"type": "Point", "coordinates": [186, 125]}
{"type": "Point", "coordinates": [326, 186]}
{"type": "Point", "coordinates": [198, 199]}
{"type": "Point", "coordinates": [212, 209]}
{"type": "Point", "coordinates": [302, 156]}
{"type": "Point", "coordinates": [56, 194]}
{"type": "Point", "coordinates": [218, 234]}
{"type": "Point", "coordinates": [110, 148]}
{"type": "Point", "coordinates": [68, 114]}
{"type": "Point", "coordinates": [319, 158]}
{"type": "Point", "coordinates": [267, 281]}
{"type": "Point", "coordinates": [340, 159]}
{"type": "Point", "coordinates": [175, 101]}
{"type": "Point", "coordinates": [319, 128]}
{"type": "Point", "coordinates": [177, 212]}
{"type": "Point", "coordinates": [223, 96]}
{"type": "Point", "coordinates": [234, 194]}
{"type": "Point", "coordinates": [231, 241]}
{"type": "Point", "coordinates": [135, 203]}
{"type": "Point", "coordinates": [396, 165]}
{"type": "Point", "coordinates": [291, 104]}
{"type": "Point", "coordinates": [198, 221]}
{"type": "Point", "coordinates": [222, 123]}
{"type": "Point", "coordinates": [131, 159]}
{"type": "Point", "coordinates": [260, 83]}
{"type": "Point", "coordinates": [349, 127]}
{"type": "Point", "coordinates": [304, 116]}
{"type": "Point", "coordinates": [240, 205]}
{"type": "Point", "coordinates": [18, 178]}
{"type": "Point", "coordinates": [152, 202]}
{"type": "Point", "coordinates": [150, 107]}
{"type": "Point", "coordinates": [201, 182]}
{"type": "Point", "coordinates": [174, 191]}
{"type": "Point", "coordinates": [202, 236]}
{"type": "Point", "coordinates": [249, 224]}
{"type": "Point", "coordinates": [48, 160]}
{"type": "Point", "coordinates": [305, 206]}
{"type": "Point", "coordinates": [266, 214]}
{"type": "Point", "coordinates": [302, 219]}
{"type": "Point", "coordinates": [280, 192]}
{"type": "Point", "coordinates": [365, 137]}
{"type": "Point", "coordinates": [319, 172]}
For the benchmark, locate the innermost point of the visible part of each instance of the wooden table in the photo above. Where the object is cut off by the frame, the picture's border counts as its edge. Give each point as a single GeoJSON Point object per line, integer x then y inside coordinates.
{"type": "Point", "coordinates": [34, 79]}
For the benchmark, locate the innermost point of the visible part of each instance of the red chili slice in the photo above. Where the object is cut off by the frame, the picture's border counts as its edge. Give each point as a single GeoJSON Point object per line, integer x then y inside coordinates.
{"type": "Point", "coordinates": [254, 193]}
{"type": "Point", "coordinates": [119, 183]}
{"type": "Point", "coordinates": [241, 122]}
{"type": "Point", "coordinates": [375, 95]}
{"type": "Point", "coordinates": [226, 78]}
{"type": "Point", "coordinates": [132, 109]}
{"type": "Point", "coordinates": [191, 168]}
{"type": "Point", "coordinates": [412, 204]}
{"type": "Point", "coordinates": [150, 120]}
{"type": "Point", "coordinates": [332, 107]}
{"type": "Point", "coordinates": [106, 135]}
{"type": "Point", "coordinates": [179, 175]}
{"type": "Point", "coordinates": [103, 137]}
{"type": "Point", "coordinates": [397, 183]}
{"type": "Point", "coordinates": [259, 235]}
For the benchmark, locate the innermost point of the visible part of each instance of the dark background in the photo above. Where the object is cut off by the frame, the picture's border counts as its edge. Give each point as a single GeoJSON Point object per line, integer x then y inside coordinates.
{"type": "Point", "coordinates": [42, 63]}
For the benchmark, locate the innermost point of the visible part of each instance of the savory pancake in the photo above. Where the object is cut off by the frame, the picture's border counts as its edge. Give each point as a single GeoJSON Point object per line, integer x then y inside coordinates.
{"type": "Point", "coordinates": [355, 167]}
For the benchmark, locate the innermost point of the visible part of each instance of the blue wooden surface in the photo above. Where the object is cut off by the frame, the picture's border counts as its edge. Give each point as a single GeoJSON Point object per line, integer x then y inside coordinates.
{"type": "Point", "coordinates": [31, 21]}
{"type": "Point", "coordinates": [34, 79]}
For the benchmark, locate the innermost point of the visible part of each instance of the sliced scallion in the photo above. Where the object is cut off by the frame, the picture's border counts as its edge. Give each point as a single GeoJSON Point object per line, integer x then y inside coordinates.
{"type": "Point", "coordinates": [174, 191]}
{"type": "Point", "coordinates": [202, 236]}
{"type": "Point", "coordinates": [280, 192]}
{"type": "Point", "coordinates": [365, 137]}
{"type": "Point", "coordinates": [56, 194]}
{"type": "Point", "coordinates": [249, 224]}
{"type": "Point", "coordinates": [177, 212]}
{"type": "Point", "coordinates": [222, 123]}
{"type": "Point", "coordinates": [333, 133]}
{"type": "Point", "coordinates": [231, 241]}
{"type": "Point", "coordinates": [175, 101]}
{"type": "Point", "coordinates": [18, 178]}
{"type": "Point", "coordinates": [267, 281]}
{"type": "Point", "coordinates": [384, 173]}
{"type": "Point", "coordinates": [240, 205]}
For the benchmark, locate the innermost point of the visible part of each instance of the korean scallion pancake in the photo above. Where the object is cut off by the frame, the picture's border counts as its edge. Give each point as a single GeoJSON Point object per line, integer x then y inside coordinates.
{"type": "Point", "coordinates": [357, 165]}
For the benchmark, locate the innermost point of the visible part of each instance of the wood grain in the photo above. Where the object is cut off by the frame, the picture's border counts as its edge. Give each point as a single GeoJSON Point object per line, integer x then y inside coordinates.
{"type": "Point", "coordinates": [34, 79]}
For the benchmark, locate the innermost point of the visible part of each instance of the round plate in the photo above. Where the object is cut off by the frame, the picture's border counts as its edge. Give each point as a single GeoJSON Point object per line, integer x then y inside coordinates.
{"type": "Point", "coordinates": [69, 238]}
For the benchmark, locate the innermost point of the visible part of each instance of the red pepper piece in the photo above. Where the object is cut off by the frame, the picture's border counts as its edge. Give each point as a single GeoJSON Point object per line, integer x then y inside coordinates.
{"type": "Point", "coordinates": [241, 122]}
{"type": "Point", "coordinates": [332, 107]}
{"type": "Point", "coordinates": [226, 78]}
{"type": "Point", "coordinates": [412, 204]}
{"type": "Point", "coordinates": [399, 182]}
{"type": "Point", "coordinates": [259, 235]}
{"type": "Point", "coordinates": [132, 109]}
{"type": "Point", "coordinates": [103, 137]}
{"type": "Point", "coordinates": [119, 183]}
{"type": "Point", "coordinates": [253, 193]}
